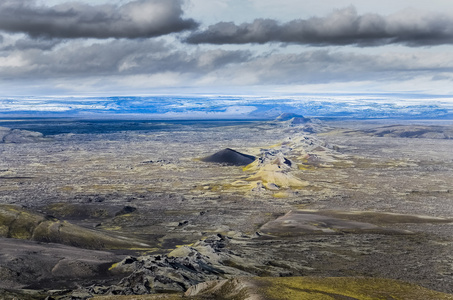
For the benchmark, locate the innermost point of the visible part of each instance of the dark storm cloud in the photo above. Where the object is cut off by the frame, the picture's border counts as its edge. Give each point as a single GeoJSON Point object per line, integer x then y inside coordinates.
{"type": "Point", "coordinates": [321, 66]}
{"type": "Point", "coordinates": [342, 27]}
{"type": "Point", "coordinates": [136, 19]}
{"type": "Point", "coordinates": [26, 43]}
{"type": "Point", "coordinates": [76, 59]}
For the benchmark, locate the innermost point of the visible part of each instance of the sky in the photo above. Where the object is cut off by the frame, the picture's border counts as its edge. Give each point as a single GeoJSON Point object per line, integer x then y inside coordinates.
{"type": "Point", "coordinates": [249, 47]}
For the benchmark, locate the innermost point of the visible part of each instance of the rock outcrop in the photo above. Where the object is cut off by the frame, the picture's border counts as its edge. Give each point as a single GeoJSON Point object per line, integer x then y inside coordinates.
{"type": "Point", "coordinates": [176, 272]}
{"type": "Point", "coordinates": [273, 169]}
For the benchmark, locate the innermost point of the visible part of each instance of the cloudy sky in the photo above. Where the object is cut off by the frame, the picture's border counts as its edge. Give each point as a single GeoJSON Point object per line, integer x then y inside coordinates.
{"type": "Point", "coordinates": [136, 47]}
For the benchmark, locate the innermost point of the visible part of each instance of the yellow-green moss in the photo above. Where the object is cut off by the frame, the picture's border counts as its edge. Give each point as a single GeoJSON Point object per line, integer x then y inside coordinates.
{"type": "Point", "coordinates": [17, 223]}
{"type": "Point", "coordinates": [276, 145]}
{"type": "Point", "coordinates": [280, 195]}
{"type": "Point", "coordinates": [62, 209]}
{"type": "Point", "coordinates": [335, 288]}
{"type": "Point", "coordinates": [249, 167]}
{"type": "Point", "coordinates": [113, 266]}
{"type": "Point", "coordinates": [305, 167]}
{"type": "Point", "coordinates": [112, 228]}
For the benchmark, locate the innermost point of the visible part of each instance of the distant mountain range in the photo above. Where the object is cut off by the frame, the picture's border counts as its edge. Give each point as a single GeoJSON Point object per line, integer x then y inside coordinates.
{"type": "Point", "coordinates": [231, 107]}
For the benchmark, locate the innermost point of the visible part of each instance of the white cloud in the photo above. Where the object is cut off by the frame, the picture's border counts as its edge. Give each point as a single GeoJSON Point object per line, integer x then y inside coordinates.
{"type": "Point", "coordinates": [13, 60]}
{"type": "Point", "coordinates": [108, 63]}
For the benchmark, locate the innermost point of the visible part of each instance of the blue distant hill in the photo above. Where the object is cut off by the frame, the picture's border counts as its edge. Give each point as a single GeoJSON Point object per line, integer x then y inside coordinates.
{"type": "Point", "coordinates": [230, 107]}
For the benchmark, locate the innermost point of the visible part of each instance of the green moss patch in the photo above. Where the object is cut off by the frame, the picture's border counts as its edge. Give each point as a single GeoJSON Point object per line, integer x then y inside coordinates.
{"type": "Point", "coordinates": [342, 288]}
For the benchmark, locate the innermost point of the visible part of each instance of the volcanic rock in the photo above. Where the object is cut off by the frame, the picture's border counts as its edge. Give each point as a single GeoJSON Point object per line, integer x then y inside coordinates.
{"type": "Point", "coordinates": [184, 267]}
{"type": "Point", "coordinates": [410, 131]}
{"type": "Point", "coordinates": [296, 223]}
{"type": "Point", "coordinates": [274, 170]}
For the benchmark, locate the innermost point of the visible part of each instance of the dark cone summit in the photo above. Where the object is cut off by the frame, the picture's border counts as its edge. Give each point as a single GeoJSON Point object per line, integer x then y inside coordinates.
{"type": "Point", "coordinates": [230, 157]}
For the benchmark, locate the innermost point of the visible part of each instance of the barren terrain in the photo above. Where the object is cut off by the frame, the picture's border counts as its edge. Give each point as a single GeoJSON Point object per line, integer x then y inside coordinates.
{"type": "Point", "coordinates": [144, 211]}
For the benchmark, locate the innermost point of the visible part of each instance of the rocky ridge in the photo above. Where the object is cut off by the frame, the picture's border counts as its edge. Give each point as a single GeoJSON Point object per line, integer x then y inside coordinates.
{"type": "Point", "coordinates": [206, 260]}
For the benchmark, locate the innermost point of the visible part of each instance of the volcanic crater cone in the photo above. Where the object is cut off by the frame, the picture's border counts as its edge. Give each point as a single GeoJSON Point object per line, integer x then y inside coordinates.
{"type": "Point", "coordinates": [229, 157]}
